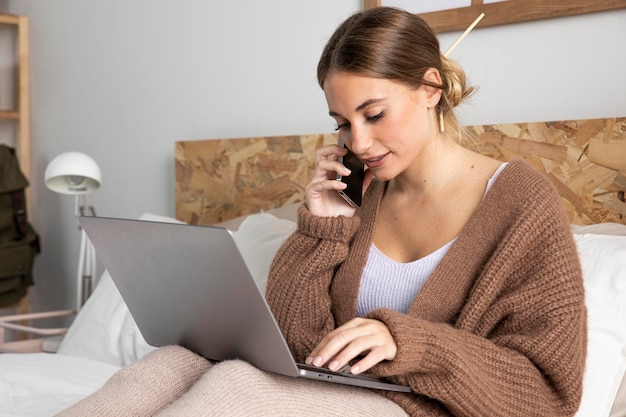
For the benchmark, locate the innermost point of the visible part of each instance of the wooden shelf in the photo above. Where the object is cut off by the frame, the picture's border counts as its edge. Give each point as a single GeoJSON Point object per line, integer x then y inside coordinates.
{"type": "Point", "coordinates": [9, 115]}
{"type": "Point", "coordinates": [20, 114]}
{"type": "Point", "coordinates": [9, 19]}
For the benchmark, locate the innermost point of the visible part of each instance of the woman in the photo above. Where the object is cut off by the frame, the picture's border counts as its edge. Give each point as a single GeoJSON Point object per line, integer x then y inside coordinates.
{"type": "Point", "coordinates": [458, 275]}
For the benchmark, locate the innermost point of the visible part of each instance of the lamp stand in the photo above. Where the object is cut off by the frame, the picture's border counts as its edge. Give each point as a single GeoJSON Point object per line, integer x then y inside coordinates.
{"type": "Point", "coordinates": [86, 274]}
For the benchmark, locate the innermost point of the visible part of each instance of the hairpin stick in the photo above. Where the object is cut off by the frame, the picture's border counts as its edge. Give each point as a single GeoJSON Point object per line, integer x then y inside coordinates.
{"type": "Point", "coordinates": [468, 30]}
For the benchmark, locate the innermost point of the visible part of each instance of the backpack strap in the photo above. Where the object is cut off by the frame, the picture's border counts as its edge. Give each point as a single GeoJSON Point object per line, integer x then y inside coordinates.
{"type": "Point", "coordinates": [19, 212]}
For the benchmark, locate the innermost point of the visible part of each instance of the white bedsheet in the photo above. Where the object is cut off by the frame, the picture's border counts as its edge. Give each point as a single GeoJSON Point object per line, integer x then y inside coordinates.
{"type": "Point", "coordinates": [42, 384]}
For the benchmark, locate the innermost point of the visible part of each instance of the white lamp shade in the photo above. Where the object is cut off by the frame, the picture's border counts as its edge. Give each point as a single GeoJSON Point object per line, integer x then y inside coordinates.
{"type": "Point", "coordinates": [73, 173]}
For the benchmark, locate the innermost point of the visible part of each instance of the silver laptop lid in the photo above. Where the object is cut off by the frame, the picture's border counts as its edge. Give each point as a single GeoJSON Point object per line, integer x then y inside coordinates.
{"type": "Point", "coordinates": [188, 285]}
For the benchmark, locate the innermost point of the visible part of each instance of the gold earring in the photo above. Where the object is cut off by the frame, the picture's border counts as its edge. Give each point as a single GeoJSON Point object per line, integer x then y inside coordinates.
{"type": "Point", "coordinates": [442, 126]}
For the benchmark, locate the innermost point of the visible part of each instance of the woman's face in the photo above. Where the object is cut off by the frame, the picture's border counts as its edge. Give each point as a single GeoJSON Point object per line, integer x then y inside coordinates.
{"type": "Point", "coordinates": [385, 123]}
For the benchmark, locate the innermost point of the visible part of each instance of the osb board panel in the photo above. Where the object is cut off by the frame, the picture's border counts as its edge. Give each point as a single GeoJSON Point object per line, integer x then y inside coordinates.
{"type": "Point", "coordinates": [217, 180]}
{"type": "Point", "coordinates": [584, 159]}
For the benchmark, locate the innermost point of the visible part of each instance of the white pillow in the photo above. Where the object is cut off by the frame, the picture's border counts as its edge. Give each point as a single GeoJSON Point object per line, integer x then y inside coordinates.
{"type": "Point", "coordinates": [259, 237]}
{"type": "Point", "coordinates": [619, 405]}
{"type": "Point", "coordinates": [288, 212]}
{"type": "Point", "coordinates": [603, 259]}
{"type": "Point", "coordinates": [104, 330]}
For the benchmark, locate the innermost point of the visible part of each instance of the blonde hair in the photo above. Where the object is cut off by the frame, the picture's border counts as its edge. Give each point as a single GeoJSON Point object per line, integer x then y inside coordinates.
{"type": "Point", "coordinates": [389, 43]}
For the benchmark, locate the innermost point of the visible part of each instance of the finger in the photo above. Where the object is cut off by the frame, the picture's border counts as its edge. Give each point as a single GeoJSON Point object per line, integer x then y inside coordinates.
{"type": "Point", "coordinates": [321, 194]}
{"type": "Point", "coordinates": [346, 342]}
{"type": "Point", "coordinates": [324, 350]}
{"type": "Point", "coordinates": [374, 357]}
{"type": "Point", "coordinates": [376, 344]}
{"type": "Point", "coordinates": [327, 168]}
{"type": "Point", "coordinates": [327, 151]}
{"type": "Point", "coordinates": [315, 189]}
{"type": "Point", "coordinates": [356, 338]}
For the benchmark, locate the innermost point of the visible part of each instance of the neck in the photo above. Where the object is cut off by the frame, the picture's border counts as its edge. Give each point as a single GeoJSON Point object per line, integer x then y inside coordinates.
{"type": "Point", "coordinates": [432, 171]}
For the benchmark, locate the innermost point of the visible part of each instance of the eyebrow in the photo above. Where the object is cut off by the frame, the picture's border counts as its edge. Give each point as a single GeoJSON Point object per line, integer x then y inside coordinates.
{"type": "Point", "coordinates": [360, 106]}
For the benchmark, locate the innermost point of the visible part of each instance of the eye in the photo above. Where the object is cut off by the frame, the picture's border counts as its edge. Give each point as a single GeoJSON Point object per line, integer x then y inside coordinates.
{"type": "Point", "coordinates": [342, 126]}
{"type": "Point", "coordinates": [376, 117]}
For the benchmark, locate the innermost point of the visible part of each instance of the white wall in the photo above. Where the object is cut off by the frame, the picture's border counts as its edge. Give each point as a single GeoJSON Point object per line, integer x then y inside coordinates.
{"type": "Point", "coordinates": [558, 69]}
{"type": "Point", "coordinates": [122, 80]}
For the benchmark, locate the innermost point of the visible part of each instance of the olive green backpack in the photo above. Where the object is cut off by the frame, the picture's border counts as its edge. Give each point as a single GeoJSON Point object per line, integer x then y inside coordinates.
{"type": "Point", "coordinates": [19, 243]}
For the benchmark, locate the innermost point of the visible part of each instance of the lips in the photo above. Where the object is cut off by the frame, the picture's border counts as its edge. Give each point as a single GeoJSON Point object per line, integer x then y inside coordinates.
{"type": "Point", "coordinates": [375, 162]}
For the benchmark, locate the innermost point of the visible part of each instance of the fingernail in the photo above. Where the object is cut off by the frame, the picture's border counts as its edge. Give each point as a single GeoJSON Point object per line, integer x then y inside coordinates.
{"type": "Point", "coordinates": [333, 365]}
{"type": "Point", "coordinates": [308, 360]}
{"type": "Point", "coordinates": [317, 361]}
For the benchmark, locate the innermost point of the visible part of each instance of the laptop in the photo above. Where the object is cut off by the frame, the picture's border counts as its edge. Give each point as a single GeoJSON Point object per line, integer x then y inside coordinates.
{"type": "Point", "coordinates": [189, 285]}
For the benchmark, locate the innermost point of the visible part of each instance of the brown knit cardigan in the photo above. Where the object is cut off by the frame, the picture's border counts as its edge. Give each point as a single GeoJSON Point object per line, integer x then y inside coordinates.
{"type": "Point", "coordinates": [499, 329]}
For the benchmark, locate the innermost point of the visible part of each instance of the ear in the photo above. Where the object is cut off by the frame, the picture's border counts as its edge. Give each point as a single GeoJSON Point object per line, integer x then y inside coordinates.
{"type": "Point", "coordinates": [433, 95]}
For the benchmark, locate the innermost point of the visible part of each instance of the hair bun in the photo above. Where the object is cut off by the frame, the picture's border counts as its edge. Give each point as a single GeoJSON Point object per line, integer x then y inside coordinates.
{"type": "Point", "coordinates": [456, 86]}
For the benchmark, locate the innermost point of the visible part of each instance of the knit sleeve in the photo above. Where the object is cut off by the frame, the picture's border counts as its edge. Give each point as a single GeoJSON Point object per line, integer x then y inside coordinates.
{"type": "Point", "coordinates": [300, 276]}
{"type": "Point", "coordinates": [517, 346]}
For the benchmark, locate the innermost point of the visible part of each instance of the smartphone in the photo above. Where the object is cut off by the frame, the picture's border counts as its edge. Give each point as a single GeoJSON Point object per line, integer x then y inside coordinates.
{"type": "Point", "coordinates": [353, 193]}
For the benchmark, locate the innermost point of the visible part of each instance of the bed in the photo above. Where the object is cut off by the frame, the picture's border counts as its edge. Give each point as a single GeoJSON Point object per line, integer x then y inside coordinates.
{"type": "Point", "coordinates": [254, 185]}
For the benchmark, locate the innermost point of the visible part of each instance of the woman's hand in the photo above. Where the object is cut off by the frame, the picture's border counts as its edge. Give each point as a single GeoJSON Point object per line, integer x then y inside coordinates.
{"type": "Point", "coordinates": [359, 337]}
{"type": "Point", "coordinates": [322, 197]}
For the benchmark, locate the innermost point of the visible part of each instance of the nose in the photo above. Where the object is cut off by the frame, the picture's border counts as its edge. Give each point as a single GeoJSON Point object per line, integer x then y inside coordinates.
{"type": "Point", "coordinates": [360, 140]}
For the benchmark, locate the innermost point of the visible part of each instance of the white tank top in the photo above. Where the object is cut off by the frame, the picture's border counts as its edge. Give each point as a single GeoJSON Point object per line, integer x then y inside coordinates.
{"type": "Point", "coordinates": [390, 284]}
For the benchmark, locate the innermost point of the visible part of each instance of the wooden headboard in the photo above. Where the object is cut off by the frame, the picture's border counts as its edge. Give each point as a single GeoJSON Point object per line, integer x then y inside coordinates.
{"type": "Point", "coordinates": [221, 179]}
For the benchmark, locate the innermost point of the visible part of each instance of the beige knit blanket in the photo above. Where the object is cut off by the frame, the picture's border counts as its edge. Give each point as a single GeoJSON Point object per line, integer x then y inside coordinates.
{"type": "Point", "coordinates": [173, 381]}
